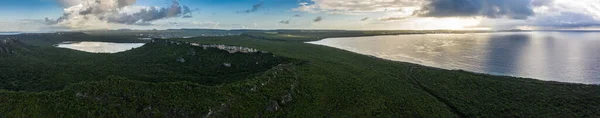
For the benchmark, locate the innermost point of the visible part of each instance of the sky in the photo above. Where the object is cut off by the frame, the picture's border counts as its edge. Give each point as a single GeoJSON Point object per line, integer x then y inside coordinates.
{"type": "Point", "coordinates": [61, 15]}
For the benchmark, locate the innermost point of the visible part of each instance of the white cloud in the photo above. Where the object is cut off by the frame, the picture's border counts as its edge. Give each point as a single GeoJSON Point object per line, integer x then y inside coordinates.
{"type": "Point", "coordinates": [107, 14]}
{"type": "Point", "coordinates": [567, 14]}
{"type": "Point", "coordinates": [546, 13]}
{"type": "Point", "coordinates": [206, 24]}
{"type": "Point", "coordinates": [27, 25]}
{"type": "Point", "coordinates": [357, 6]}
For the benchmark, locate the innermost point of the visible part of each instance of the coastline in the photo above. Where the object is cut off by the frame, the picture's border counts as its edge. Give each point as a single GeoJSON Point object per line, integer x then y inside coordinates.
{"type": "Point", "coordinates": [322, 81]}
{"type": "Point", "coordinates": [465, 92]}
{"type": "Point", "coordinates": [440, 68]}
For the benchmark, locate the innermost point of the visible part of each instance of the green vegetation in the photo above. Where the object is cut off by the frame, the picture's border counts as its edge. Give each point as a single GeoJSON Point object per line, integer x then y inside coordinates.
{"type": "Point", "coordinates": [300, 80]}
{"type": "Point", "coordinates": [48, 68]}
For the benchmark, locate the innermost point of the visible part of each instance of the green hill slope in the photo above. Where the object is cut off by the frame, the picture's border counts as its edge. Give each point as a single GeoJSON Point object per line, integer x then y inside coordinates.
{"type": "Point", "coordinates": [343, 83]}
{"type": "Point", "coordinates": [293, 80]}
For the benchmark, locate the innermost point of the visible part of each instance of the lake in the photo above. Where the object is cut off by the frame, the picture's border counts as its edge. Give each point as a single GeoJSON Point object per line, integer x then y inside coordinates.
{"type": "Point", "coordinates": [99, 47]}
{"type": "Point", "coordinates": [572, 57]}
{"type": "Point", "coordinates": [9, 33]}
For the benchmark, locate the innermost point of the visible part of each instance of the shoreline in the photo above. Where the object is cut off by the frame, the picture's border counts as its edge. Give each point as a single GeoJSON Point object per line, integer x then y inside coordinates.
{"type": "Point", "coordinates": [440, 68]}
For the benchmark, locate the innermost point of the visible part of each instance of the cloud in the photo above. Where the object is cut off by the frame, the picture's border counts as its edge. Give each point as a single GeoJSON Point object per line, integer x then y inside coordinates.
{"type": "Point", "coordinates": [542, 13]}
{"type": "Point", "coordinates": [254, 8]}
{"type": "Point", "coordinates": [69, 3]}
{"type": "Point", "coordinates": [146, 15]}
{"type": "Point", "coordinates": [318, 19]}
{"type": "Point", "coordinates": [28, 25]}
{"type": "Point", "coordinates": [538, 3]}
{"type": "Point", "coordinates": [90, 13]}
{"type": "Point", "coordinates": [566, 20]}
{"type": "Point", "coordinates": [285, 22]}
{"type": "Point", "coordinates": [355, 6]}
{"type": "Point", "coordinates": [48, 21]}
{"type": "Point", "coordinates": [187, 12]}
{"type": "Point", "coordinates": [392, 18]}
{"type": "Point", "coordinates": [297, 15]}
{"type": "Point", "coordinates": [107, 3]}
{"type": "Point", "coordinates": [513, 9]}
{"type": "Point", "coordinates": [206, 24]}
{"type": "Point", "coordinates": [364, 19]}
{"type": "Point", "coordinates": [565, 14]}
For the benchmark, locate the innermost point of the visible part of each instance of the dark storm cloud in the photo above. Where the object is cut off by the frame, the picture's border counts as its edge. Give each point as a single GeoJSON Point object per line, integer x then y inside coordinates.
{"type": "Point", "coordinates": [318, 19]}
{"type": "Point", "coordinates": [513, 9]}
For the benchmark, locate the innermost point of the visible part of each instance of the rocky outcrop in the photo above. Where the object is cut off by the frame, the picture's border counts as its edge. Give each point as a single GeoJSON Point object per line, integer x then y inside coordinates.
{"type": "Point", "coordinates": [227, 64]}
{"type": "Point", "coordinates": [272, 106]}
{"type": "Point", "coordinates": [9, 46]}
{"type": "Point", "coordinates": [180, 60]}
{"type": "Point", "coordinates": [286, 98]}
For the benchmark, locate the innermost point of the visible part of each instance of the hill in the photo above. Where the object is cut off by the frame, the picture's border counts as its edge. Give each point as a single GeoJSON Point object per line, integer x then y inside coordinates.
{"type": "Point", "coordinates": [291, 79]}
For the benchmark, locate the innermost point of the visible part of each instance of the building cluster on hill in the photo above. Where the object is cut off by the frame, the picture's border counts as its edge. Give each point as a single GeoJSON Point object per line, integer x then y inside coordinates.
{"type": "Point", "coordinates": [168, 35]}
{"type": "Point", "coordinates": [228, 48]}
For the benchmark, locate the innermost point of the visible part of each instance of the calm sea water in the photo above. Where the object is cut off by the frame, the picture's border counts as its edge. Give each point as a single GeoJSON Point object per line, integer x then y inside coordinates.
{"type": "Point", "coordinates": [553, 56]}
{"type": "Point", "coordinates": [8, 33]}
{"type": "Point", "coordinates": [99, 47]}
